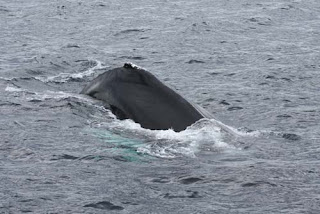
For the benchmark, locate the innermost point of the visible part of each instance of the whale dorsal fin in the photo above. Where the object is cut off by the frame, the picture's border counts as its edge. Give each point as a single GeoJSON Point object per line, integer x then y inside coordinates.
{"type": "Point", "coordinates": [131, 65]}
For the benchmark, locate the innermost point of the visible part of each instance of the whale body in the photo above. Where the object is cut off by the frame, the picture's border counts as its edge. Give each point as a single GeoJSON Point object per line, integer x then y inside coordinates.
{"type": "Point", "coordinates": [133, 93]}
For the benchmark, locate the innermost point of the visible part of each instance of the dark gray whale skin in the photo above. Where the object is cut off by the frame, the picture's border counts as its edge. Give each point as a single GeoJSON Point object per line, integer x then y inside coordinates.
{"type": "Point", "coordinates": [133, 93]}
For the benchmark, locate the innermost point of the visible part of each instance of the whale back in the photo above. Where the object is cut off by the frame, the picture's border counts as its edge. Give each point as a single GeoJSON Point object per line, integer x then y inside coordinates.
{"type": "Point", "coordinates": [134, 93]}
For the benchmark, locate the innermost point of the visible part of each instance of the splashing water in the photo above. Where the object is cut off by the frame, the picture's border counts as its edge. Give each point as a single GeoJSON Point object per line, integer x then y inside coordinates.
{"type": "Point", "coordinates": [204, 134]}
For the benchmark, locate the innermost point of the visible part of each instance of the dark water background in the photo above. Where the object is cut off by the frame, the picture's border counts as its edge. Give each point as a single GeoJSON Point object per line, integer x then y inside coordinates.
{"type": "Point", "coordinates": [255, 65]}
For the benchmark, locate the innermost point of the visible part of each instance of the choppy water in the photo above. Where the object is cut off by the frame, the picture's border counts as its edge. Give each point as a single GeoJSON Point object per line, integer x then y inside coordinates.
{"type": "Point", "coordinates": [253, 64]}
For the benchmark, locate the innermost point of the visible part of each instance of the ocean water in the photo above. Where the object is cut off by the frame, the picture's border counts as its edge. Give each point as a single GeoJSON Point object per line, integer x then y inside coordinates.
{"type": "Point", "coordinates": [253, 64]}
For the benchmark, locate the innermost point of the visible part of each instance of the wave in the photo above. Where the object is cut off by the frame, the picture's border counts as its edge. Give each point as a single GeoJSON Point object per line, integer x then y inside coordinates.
{"type": "Point", "coordinates": [62, 77]}
{"type": "Point", "coordinates": [65, 77]}
{"type": "Point", "coordinates": [46, 95]}
{"type": "Point", "coordinates": [11, 88]}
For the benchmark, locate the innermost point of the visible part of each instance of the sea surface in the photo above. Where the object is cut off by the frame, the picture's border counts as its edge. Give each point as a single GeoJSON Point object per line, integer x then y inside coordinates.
{"type": "Point", "coordinates": [253, 64]}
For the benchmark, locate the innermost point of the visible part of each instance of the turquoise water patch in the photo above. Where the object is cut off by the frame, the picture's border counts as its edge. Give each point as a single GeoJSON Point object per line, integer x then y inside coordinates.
{"type": "Point", "coordinates": [123, 148]}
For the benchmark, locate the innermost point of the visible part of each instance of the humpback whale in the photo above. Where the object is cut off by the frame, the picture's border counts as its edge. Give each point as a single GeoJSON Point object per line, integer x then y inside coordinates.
{"type": "Point", "coordinates": [133, 93]}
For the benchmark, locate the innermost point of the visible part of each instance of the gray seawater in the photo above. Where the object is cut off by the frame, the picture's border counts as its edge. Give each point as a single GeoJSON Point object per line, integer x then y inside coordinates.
{"type": "Point", "coordinates": [253, 64]}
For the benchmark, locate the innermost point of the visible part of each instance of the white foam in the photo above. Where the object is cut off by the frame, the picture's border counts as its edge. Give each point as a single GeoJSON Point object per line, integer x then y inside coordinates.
{"type": "Point", "coordinates": [234, 131]}
{"type": "Point", "coordinates": [65, 77]}
{"type": "Point", "coordinates": [169, 144]}
{"type": "Point", "coordinates": [51, 95]}
{"type": "Point", "coordinates": [5, 79]}
{"type": "Point", "coordinates": [11, 88]}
